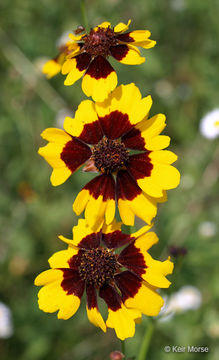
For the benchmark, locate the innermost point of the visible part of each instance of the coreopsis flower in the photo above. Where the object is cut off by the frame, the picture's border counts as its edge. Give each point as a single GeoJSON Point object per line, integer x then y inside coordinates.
{"type": "Point", "coordinates": [89, 54]}
{"type": "Point", "coordinates": [116, 139]}
{"type": "Point", "coordinates": [209, 125]}
{"type": "Point", "coordinates": [127, 280]}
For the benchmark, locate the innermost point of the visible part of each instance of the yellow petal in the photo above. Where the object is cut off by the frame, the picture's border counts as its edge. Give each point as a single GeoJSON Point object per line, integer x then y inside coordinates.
{"type": "Point", "coordinates": [60, 175]}
{"type": "Point", "coordinates": [68, 65]}
{"type": "Point", "coordinates": [81, 201]}
{"type": "Point", "coordinates": [132, 57]}
{"type": "Point", "coordinates": [148, 44]}
{"type": "Point", "coordinates": [142, 231]}
{"type": "Point", "coordinates": [140, 35]}
{"type": "Point", "coordinates": [148, 185]}
{"type": "Point", "coordinates": [146, 241]}
{"type": "Point", "coordinates": [142, 206]}
{"type": "Point", "coordinates": [95, 211]}
{"type": "Point", "coordinates": [141, 38]}
{"type": "Point", "coordinates": [55, 136]}
{"type": "Point", "coordinates": [104, 25]}
{"type": "Point", "coordinates": [123, 322]}
{"type": "Point", "coordinates": [163, 156]}
{"type": "Point", "coordinates": [115, 225]}
{"type": "Point", "coordinates": [121, 27]}
{"type": "Point", "coordinates": [158, 142]}
{"type": "Point", "coordinates": [126, 99]}
{"type": "Point", "coordinates": [126, 214]}
{"type": "Point", "coordinates": [152, 127]}
{"type": "Point", "coordinates": [48, 276]}
{"type": "Point", "coordinates": [51, 68]}
{"type": "Point", "coordinates": [110, 211]}
{"type": "Point", "coordinates": [52, 154]}
{"type": "Point", "coordinates": [75, 37]}
{"type": "Point", "coordinates": [51, 297]}
{"type": "Point", "coordinates": [147, 300]}
{"type": "Point", "coordinates": [81, 231]}
{"type": "Point", "coordinates": [69, 307]}
{"type": "Point", "coordinates": [74, 74]}
{"type": "Point", "coordinates": [156, 271]}
{"type": "Point", "coordinates": [60, 258]}
{"type": "Point", "coordinates": [166, 176]}
{"type": "Point", "coordinates": [95, 318]}
{"type": "Point", "coordinates": [99, 89]}
{"type": "Point", "coordinates": [85, 114]}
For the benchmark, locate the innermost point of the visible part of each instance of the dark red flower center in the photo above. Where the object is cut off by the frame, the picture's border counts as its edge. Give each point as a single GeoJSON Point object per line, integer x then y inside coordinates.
{"type": "Point", "coordinates": [98, 266]}
{"type": "Point", "coordinates": [98, 42]}
{"type": "Point", "coordinates": [110, 155]}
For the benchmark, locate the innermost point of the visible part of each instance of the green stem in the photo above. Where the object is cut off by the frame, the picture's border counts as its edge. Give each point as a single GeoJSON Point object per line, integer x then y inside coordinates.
{"type": "Point", "coordinates": [123, 347]}
{"type": "Point", "coordinates": [146, 341]}
{"type": "Point", "coordinates": [84, 15]}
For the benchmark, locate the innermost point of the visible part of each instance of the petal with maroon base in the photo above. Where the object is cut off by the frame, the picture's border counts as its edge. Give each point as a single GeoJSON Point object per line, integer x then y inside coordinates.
{"type": "Point", "coordinates": [125, 100]}
{"type": "Point", "coordinates": [120, 318]}
{"type": "Point", "coordinates": [144, 136]}
{"type": "Point", "coordinates": [137, 294]}
{"type": "Point", "coordinates": [98, 200]}
{"type": "Point", "coordinates": [141, 168]}
{"type": "Point", "coordinates": [53, 297]}
{"type": "Point", "coordinates": [100, 79]}
{"type": "Point", "coordinates": [138, 38]}
{"type": "Point", "coordinates": [75, 68]}
{"type": "Point", "coordinates": [74, 154]}
{"type": "Point", "coordinates": [127, 54]}
{"type": "Point", "coordinates": [93, 313]}
{"type": "Point", "coordinates": [85, 125]}
{"type": "Point", "coordinates": [132, 201]}
{"type": "Point", "coordinates": [64, 153]}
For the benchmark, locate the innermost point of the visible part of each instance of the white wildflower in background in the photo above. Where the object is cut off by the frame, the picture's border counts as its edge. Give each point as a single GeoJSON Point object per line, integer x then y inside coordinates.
{"type": "Point", "coordinates": [6, 327]}
{"type": "Point", "coordinates": [178, 5]}
{"type": "Point", "coordinates": [207, 229]}
{"type": "Point", "coordinates": [209, 125]}
{"type": "Point", "coordinates": [187, 298]}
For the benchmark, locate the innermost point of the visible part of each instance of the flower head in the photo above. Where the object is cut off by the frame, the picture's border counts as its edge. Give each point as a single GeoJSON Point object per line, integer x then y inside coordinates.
{"type": "Point", "coordinates": [116, 139]}
{"type": "Point", "coordinates": [209, 125]}
{"type": "Point", "coordinates": [86, 55]}
{"type": "Point", "coordinates": [127, 281]}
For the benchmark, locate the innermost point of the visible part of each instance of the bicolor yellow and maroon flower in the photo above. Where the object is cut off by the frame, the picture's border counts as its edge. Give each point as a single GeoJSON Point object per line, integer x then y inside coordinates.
{"type": "Point", "coordinates": [89, 57]}
{"type": "Point", "coordinates": [127, 280]}
{"type": "Point", "coordinates": [118, 140]}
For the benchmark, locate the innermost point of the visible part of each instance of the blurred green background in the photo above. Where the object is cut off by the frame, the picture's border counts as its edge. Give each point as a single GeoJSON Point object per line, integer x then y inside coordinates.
{"type": "Point", "coordinates": [181, 74]}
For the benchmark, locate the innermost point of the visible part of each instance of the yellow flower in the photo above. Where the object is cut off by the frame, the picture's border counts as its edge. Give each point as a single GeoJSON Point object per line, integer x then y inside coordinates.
{"type": "Point", "coordinates": [86, 55]}
{"type": "Point", "coordinates": [104, 135]}
{"type": "Point", "coordinates": [126, 281]}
